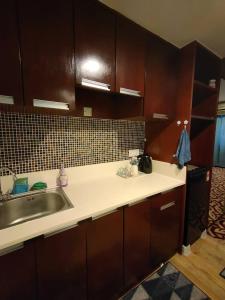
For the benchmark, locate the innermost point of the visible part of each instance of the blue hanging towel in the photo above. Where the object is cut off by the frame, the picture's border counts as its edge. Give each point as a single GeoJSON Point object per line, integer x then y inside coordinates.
{"type": "Point", "coordinates": [183, 153]}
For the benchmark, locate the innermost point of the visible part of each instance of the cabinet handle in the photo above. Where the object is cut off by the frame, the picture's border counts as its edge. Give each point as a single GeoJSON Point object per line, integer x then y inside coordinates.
{"type": "Point", "coordinates": [95, 84]}
{"type": "Point", "coordinates": [50, 104]}
{"type": "Point", "coordinates": [11, 249]}
{"type": "Point", "coordinates": [6, 100]}
{"type": "Point", "coordinates": [170, 204]}
{"type": "Point", "coordinates": [160, 116]}
{"type": "Point", "coordinates": [130, 92]}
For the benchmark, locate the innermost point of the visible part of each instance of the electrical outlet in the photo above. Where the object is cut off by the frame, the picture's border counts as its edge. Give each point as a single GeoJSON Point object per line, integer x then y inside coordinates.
{"type": "Point", "coordinates": [134, 152]}
{"type": "Point", "coordinates": [87, 111]}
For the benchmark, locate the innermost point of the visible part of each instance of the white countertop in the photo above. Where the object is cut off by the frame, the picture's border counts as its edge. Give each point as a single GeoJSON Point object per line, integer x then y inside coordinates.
{"type": "Point", "coordinates": [93, 196]}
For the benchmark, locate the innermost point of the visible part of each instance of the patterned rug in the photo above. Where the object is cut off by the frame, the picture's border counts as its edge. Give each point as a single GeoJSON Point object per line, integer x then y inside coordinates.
{"type": "Point", "coordinates": [222, 273]}
{"type": "Point", "coordinates": [216, 226]}
{"type": "Point", "coordinates": [166, 284]}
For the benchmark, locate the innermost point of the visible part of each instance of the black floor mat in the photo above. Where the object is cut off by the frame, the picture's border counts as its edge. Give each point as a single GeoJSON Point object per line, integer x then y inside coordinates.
{"type": "Point", "coordinates": [166, 284]}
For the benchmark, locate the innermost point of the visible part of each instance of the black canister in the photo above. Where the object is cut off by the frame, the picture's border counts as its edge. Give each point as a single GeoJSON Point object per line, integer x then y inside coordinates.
{"type": "Point", "coordinates": [145, 163]}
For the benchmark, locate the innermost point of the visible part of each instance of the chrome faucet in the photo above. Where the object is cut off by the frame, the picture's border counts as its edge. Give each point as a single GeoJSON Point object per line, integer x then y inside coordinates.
{"type": "Point", "coordinates": [6, 196]}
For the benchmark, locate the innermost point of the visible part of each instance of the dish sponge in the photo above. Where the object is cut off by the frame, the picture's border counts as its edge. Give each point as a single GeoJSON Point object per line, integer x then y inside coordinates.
{"type": "Point", "coordinates": [20, 186]}
{"type": "Point", "coordinates": [39, 186]}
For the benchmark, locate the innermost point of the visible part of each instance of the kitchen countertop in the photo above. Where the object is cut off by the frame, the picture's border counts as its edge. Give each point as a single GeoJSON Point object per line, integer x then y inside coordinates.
{"type": "Point", "coordinates": [94, 196]}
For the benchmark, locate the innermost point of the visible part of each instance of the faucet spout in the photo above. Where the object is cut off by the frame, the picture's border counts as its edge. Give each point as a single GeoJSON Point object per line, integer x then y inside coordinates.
{"type": "Point", "coordinates": [6, 169]}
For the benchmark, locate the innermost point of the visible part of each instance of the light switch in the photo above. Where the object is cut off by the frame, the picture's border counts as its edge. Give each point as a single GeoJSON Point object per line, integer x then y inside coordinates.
{"type": "Point", "coordinates": [87, 111]}
{"type": "Point", "coordinates": [134, 152]}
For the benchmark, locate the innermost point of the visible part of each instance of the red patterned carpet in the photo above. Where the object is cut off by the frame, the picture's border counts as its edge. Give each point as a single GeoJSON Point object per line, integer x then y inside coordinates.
{"type": "Point", "coordinates": [216, 227]}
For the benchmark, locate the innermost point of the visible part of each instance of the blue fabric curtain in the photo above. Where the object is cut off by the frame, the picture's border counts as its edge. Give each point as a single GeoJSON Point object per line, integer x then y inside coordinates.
{"type": "Point", "coordinates": [219, 149]}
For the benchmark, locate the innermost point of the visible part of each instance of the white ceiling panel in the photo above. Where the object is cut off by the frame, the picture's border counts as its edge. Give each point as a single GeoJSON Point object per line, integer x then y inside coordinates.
{"type": "Point", "coordinates": [179, 21]}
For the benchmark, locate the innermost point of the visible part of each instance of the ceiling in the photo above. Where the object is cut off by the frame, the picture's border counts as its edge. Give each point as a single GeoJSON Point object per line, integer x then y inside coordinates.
{"type": "Point", "coordinates": [179, 21]}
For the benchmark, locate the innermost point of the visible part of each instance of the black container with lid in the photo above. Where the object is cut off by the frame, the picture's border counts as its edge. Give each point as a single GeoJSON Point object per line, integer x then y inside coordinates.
{"type": "Point", "coordinates": [145, 163]}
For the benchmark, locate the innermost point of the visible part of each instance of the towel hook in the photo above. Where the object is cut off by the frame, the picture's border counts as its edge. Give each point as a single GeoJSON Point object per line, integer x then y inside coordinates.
{"type": "Point", "coordinates": [185, 124]}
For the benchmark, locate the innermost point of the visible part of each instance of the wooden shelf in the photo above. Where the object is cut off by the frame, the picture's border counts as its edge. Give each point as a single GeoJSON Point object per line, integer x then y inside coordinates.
{"type": "Point", "coordinates": [203, 118]}
{"type": "Point", "coordinates": [204, 101]}
{"type": "Point", "coordinates": [200, 124]}
{"type": "Point", "coordinates": [207, 65]}
{"type": "Point", "coordinates": [202, 142]}
{"type": "Point", "coordinates": [152, 118]}
{"type": "Point", "coordinates": [202, 91]}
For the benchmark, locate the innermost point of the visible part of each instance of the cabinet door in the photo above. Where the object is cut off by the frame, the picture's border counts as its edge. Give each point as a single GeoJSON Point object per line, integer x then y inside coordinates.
{"type": "Point", "coordinates": [130, 57]}
{"type": "Point", "coordinates": [105, 257]}
{"type": "Point", "coordinates": [95, 44]}
{"type": "Point", "coordinates": [161, 79]}
{"type": "Point", "coordinates": [61, 265]}
{"type": "Point", "coordinates": [136, 242]}
{"type": "Point", "coordinates": [17, 274]}
{"type": "Point", "coordinates": [46, 29]}
{"type": "Point", "coordinates": [10, 75]}
{"type": "Point", "coordinates": [165, 225]}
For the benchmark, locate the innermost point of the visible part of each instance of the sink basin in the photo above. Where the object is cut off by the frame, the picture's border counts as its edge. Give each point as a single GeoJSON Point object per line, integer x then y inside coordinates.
{"type": "Point", "coordinates": [32, 206]}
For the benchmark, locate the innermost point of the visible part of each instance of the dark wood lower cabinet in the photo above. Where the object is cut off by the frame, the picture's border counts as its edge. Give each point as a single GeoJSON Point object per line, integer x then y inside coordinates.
{"type": "Point", "coordinates": [17, 274]}
{"type": "Point", "coordinates": [61, 265]}
{"type": "Point", "coordinates": [97, 259]}
{"type": "Point", "coordinates": [136, 242]}
{"type": "Point", "coordinates": [105, 257]}
{"type": "Point", "coordinates": [165, 222]}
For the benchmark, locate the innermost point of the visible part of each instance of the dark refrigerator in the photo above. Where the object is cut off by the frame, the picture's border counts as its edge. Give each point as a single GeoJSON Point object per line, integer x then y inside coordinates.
{"type": "Point", "coordinates": [197, 203]}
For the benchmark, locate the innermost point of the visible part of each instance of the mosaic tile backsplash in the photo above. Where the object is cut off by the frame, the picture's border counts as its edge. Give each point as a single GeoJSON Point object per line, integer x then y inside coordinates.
{"type": "Point", "coordinates": [31, 142]}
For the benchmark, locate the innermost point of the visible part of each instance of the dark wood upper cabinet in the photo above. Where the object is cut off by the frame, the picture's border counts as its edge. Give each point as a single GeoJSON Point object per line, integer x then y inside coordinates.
{"type": "Point", "coordinates": [17, 274]}
{"type": "Point", "coordinates": [95, 44]}
{"type": "Point", "coordinates": [47, 43]}
{"type": "Point", "coordinates": [130, 57]}
{"type": "Point", "coordinates": [165, 225]}
{"type": "Point", "coordinates": [161, 79]}
{"type": "Point", "coordinates": [136, 242]}
{"type": "Point", "coordinates": [105, 257]}
{"type": "Point", "coordinates": [10, 76]}
{"type": "Point", "coordinates": [61, 265]}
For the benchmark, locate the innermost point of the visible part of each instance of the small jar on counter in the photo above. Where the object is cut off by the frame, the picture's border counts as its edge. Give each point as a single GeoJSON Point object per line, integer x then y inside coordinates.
{"type": "Point", "coordinates": [134, 166]}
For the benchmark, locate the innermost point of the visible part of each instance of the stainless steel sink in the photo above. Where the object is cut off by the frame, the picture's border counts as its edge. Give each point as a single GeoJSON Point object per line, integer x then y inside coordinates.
{"type": "Point", "coordinates": [32, 206]}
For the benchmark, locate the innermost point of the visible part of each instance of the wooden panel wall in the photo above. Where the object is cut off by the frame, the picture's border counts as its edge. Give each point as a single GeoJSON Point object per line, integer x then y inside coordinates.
{"type": "Point", "coordinates": [163, 137]}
